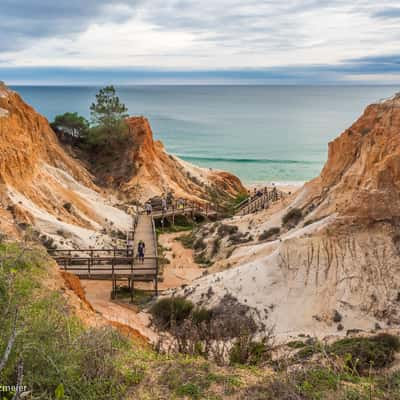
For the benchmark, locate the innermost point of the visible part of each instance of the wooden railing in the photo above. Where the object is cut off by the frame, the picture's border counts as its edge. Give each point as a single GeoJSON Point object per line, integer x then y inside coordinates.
{"type": "Point", "coordinates": [155, 244]}
{"type": "Point", "coordinates": [258, 202]}
{"type": "Point", "coordinates": [183, 206]}
{"type": "Point", "coordinates": [93, 253]}
{"type": "Point", "coordinates": [112, 263]}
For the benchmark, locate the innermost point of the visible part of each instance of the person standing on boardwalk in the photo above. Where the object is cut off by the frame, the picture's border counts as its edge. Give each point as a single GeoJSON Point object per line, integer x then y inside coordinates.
{"type": "Point", "coordinates": [164, 205]}
{"type": "Point", "coordinates": [141, 247]}
{"type": "Point", "coordinates": [149, 208]}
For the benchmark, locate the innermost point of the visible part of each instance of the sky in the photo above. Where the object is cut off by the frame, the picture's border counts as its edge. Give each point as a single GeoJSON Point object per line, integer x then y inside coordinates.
{"type": "Point", "coordinates": [207, 41]}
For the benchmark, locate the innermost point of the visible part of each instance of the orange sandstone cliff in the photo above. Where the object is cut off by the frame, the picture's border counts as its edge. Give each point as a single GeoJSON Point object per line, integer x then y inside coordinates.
{"type": "Point", "coordinates": [144, 162]}
{"type": "Point", "coordinates": [361, 178]}
{"type": "Point", "coordinates": [42, 186]}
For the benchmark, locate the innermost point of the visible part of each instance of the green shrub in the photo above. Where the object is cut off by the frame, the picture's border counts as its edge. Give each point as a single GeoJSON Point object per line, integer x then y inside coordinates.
{"type": "Point", "coordinates": [189, 389]}
{"type": "Point", "coordinates": [224, 230]}
{"type": "Point", "coordinates": [361, 353]}
{"type": "Point", "coordinates": [202, 259]}
{"type": "Point", "coordinates": [171, 310]}
{"type": "Point", "coordinates": [296, 344]}
{"type": "Point", "coordinates": [308, 351]}
{"type": "Point", "coordinates": [201, 314]}
{"type": "Point", "coordinates": [292, 217]}
{"type": "Point", "coordinates": [54, 346]}
{"type": "Point", "coordinates": [187, 240]}
{"type": "Point", "coordinates": [269, 233]}
{"type": "Point", "coordinates": [248, 352]}
{"type": "Point", "coordinates": [314, 382]}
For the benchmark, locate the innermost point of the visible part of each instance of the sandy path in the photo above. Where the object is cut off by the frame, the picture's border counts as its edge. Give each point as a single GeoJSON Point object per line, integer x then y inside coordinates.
{"type": "Point", "coordinates": [182, 268]}
{"type": "Point", "coordinates": [98, 295]}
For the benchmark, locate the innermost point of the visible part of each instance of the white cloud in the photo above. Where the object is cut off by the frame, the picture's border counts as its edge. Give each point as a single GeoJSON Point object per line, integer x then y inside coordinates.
{"type": "Point", "coordinates": [217, 34]}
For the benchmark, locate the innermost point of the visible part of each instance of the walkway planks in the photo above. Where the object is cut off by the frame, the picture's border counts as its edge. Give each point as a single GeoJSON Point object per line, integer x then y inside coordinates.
{"type": "Point", "coordinates": [116, 264]}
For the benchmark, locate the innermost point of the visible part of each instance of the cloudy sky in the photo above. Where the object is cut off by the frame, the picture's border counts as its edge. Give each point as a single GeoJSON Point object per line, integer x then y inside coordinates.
{"type": "Point", "coordinates": [145, 41]}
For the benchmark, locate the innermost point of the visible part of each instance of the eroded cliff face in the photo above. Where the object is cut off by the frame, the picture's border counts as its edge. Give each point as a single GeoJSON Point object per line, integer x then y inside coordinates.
{"type": "Point", "coordinates": [27, 142]}
{"type": "Point", "coordinates": [145, 162]}
{"type": "Point", "coordinates": [361, 178]}
{"type": "Point", "coordinates": [44, 187]}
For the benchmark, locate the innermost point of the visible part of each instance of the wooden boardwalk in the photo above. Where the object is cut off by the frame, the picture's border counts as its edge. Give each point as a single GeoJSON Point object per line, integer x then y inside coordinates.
{"type": "Point", "coordinates": [116, 264]}
{"type": "Point", "coordinates": [259, 202]}
{"type": "Point", "coordinates": [145, 231]}
{"type": "Point", "coordinates": [185, 208]}
{"type": "Point", "coordinates": [123, 264]}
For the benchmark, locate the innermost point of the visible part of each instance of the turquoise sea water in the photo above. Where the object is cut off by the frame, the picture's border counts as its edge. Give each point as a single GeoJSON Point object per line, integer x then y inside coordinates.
{"type": "Point", "coordinates": [260, 133]}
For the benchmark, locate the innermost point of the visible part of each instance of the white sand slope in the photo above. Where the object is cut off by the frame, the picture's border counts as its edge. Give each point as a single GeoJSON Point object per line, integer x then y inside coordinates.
{"type": "Point", "coordinates": [298, 282]}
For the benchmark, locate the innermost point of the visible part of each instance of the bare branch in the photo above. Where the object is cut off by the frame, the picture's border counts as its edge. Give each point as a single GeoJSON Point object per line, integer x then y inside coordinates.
{"type": "Point", "coordinates": [10, 343]}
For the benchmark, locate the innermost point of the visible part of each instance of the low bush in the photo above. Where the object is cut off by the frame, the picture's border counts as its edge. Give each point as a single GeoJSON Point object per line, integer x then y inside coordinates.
{"type": "Point", "coordinates": [296, 344]}
{"type": "Point", "coordinates": [201, 314]}
{"type": "Point", "coordinates": [202, 259]}
{"type": "Point", "coordinates": [187, 240]}
{"type": "Point", "coordinates": [269, 233]}
{"type": "Point", "coordinates": [292, 217]}
{"type": "Point", "coordinates": [171, 311]}
{"type": "Point", "coordinates": [249, 352]}
{"type": "Point", "coordinates": [362, 353]}
{"type": "Point", "coordinates": [224, 230]}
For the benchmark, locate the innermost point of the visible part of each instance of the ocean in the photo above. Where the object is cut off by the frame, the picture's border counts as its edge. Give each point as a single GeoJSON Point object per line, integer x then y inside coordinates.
{"type": "Point", "coordinates": [260, 133]}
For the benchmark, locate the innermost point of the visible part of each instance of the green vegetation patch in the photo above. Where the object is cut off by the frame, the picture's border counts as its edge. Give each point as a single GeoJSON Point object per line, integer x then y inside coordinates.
{"type": "Point", "coordinates": [269, 233]}
{"type": "Point", "coordinates": [171, 310]}
{"type": "Point", "coordinates": [363, 353]}
{"type": "Point", "coordinates": [57, 352]}
{"type": "Point", "coordinates": [292, 217]}
{"type": "Point", "coordinates": [195, 379]}
{"type": "Point", "coordinates": [187, 240]}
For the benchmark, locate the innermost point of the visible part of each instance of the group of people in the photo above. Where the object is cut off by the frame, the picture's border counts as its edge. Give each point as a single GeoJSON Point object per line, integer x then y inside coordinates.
{"type": "Point", "coordinates": [259, 192]}
{"type": "Point", "coordinates": [149, 208]}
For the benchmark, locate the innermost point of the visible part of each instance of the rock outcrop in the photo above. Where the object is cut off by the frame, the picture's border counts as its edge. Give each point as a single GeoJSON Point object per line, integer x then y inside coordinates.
{"type": "Point", "coordinates": [144, 162]}
{"type": "Point", "coordinates": [361, 178]}
{"type": "Point", "coordinates": [41, 186]}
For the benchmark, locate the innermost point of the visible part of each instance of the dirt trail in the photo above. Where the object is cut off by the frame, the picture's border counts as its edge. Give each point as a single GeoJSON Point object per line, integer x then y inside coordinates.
{"type": "Point", "coordinates": [98, 295]}
{"type": "Point", "coordinates": [181, 270]}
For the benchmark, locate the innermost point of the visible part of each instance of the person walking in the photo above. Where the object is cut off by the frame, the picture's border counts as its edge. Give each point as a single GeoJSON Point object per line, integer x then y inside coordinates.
{"type": "Point", "coordinates": [164, 205]}
{"type": "Point", "coordinates": [141, 249]}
